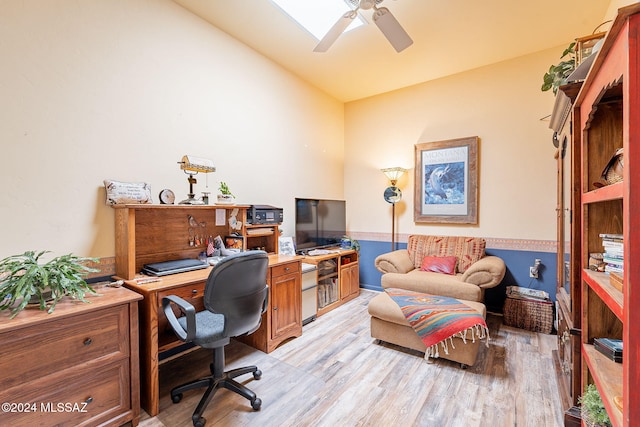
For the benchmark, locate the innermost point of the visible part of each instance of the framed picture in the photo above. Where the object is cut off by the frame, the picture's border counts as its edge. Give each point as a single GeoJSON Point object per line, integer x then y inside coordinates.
{"type": "Point", "coordinates": [285, 246]}
{"type": "Point", "coordinates": [446, 181]}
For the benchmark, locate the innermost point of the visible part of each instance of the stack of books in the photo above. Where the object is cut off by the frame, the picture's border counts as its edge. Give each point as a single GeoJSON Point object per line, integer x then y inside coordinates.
{"type": "Point", "coordinates": [612, 348]}
{"type": "Point", "coordinates": [613, 255]}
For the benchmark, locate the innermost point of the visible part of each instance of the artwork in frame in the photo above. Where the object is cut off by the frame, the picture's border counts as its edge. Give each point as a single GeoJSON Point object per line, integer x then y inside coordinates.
{"type": "Point", "coordinates": [285, 246]}
{"type": "Point", "coordinates": [446, 181]}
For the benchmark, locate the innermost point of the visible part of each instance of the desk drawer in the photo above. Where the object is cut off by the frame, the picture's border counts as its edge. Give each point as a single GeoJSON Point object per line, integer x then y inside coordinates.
{"type": "Point", "coordinates": [77, 397]}
{"type": "Point", "coordinates": [192, 293]}
{"type": "Point", "coordinates": [50, 347]}
{"type": "Point", "coordinates": [282, 269]}
{"type": "Point", "coordinates": [187, 292]}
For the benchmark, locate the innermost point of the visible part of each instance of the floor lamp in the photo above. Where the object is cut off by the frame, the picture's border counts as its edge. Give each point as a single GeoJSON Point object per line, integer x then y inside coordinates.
{"type": "Point", "coordinates": [393, 195]}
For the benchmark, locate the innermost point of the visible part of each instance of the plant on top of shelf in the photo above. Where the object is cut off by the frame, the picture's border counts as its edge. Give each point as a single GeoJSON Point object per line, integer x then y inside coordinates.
{"type": "Point", "coordinates": [557, 74]}
{"type": "Point", "coordinates": [225, 197]}
{"type": "Point", "coordinates": [348, 243]}
{"type": "Point", "coordinates": [24, 280]}
{"type": "Point", "coordinates": [592, 409]}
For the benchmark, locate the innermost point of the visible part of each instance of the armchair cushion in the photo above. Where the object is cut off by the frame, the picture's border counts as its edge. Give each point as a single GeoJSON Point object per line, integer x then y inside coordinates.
{"type": "Point", "coordinates": [439, 264]}
{"type": "Point", "coordinates": [428, 282]}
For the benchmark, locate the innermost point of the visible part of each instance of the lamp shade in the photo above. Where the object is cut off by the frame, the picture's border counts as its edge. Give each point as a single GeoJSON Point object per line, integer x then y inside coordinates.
{"type": "Point", "coordinates": [196, 164]}
{"type": "Point", "coordinates": [394, 174]}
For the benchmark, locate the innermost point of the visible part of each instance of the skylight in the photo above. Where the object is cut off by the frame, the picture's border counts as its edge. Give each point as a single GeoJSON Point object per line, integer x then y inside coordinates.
{"type": "Point", "coordinates": [317, 16]}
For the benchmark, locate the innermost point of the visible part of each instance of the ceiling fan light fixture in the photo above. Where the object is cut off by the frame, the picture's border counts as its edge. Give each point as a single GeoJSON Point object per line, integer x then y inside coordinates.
{"type": "Point", "coordinates": [367, 4]}
{"type": "Point", "coordinates": [391, 28]}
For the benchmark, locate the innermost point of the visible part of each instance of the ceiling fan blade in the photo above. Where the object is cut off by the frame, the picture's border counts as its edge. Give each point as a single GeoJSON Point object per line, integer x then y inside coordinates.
{"type": "Point", "coordinates": [335, 31]}
{"type": "Point", "coordinates": [392, 29]}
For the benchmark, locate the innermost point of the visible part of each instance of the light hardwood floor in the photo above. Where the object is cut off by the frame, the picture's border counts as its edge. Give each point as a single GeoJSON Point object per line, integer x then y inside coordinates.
{"type": "Point", "coordinates": [335, 374]}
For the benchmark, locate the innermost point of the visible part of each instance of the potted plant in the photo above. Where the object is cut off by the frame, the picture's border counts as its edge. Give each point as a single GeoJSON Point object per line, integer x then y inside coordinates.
{"type": "Point", "coordinates": [347, 242]}
{"type": "Point", "coordinates": [225, 197]}
{"type": "Point", "coordinates": [592, 409]}
{"type": "Point", "coordinates": [557, 74]}
{"type": "Point", "coordinates": [25, 280]}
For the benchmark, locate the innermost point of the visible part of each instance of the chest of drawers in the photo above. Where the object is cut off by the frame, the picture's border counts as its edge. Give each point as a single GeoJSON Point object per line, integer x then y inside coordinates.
{"type": "Point", "coordinates": [77, 366]}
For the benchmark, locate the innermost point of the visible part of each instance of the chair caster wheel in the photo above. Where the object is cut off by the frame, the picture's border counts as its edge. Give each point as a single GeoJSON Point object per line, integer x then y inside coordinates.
{"type": "Point", "coordinates": [177, 398]}
{"type": "Point", "coordinates": [257, 374]}
{"type": "Point", "coordinates": [200, 422]}
{"type": "Point", "coordinates": [256, 404]}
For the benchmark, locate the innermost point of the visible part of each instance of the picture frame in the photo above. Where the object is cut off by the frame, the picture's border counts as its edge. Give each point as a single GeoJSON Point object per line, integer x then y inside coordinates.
{"type": "Point", "coordinates": [286, 246]}
{"type": "Point", "coordinates": [446, 181]}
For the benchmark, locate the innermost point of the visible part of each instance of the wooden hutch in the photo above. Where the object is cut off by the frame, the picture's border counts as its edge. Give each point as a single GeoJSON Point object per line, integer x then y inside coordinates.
{"type": "Point", "coordinates": [605, 117]}
{"type": "Point", "coordinates": [155, 233]}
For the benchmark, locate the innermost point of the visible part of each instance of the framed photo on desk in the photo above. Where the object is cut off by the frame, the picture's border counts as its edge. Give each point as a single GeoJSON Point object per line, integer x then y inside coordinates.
{"type": "Point", "coordinates": [286, 246]}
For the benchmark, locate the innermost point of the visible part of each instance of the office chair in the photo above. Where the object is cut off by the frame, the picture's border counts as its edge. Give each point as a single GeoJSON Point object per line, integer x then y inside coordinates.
{"type": "Point", "coordinates": [235, 296]}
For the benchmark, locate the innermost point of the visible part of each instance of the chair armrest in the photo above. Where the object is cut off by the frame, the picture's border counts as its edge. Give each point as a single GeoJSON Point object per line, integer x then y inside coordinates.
{"type": "Point", "coordinates": [394, 262]}
{"type": "Point", "coordinates": [187, 310]}
{"type": "Point", "coordinates": [486, 273]}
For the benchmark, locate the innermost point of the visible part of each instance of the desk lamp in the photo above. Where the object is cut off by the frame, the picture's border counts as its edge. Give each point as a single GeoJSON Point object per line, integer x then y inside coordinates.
{"type": "Point", "coordinates": [191, 166]}
{"type": "Point", "coordinates": [393, 195]}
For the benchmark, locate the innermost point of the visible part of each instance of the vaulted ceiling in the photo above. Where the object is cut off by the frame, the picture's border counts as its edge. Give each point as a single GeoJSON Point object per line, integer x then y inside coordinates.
{"type": "Point", "coordinates": [450, 36]}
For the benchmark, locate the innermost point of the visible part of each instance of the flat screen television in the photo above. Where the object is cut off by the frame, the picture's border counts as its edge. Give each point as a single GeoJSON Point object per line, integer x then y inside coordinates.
{"type": "Point", "coordinates": [320, 223]}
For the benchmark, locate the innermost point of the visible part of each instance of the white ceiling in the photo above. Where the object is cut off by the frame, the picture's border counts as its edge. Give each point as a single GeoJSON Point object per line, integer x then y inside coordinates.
{"type": "Point", "coordinates": [450, 36]}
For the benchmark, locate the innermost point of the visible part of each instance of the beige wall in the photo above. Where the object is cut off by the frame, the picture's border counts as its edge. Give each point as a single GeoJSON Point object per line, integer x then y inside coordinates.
{"type": "Point", "coordinates": [501, 104]}
{"type": "Point", "coordinates": [122, 89]}
{"type": "Point", "coordinates": [612, 11]}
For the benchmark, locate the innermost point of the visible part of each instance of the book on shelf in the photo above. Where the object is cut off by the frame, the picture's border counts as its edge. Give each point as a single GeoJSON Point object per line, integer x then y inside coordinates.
{"type": "Point", "coordinates": [612, 348]}
{"type": "Point", "coordinates": [611, 268]}
{"type": "Point", "coordinates": [612, 237]}
{"type": "Point", "coordinates": [613, 255]}
{"type": "Point", "coordinates": [616, 262]}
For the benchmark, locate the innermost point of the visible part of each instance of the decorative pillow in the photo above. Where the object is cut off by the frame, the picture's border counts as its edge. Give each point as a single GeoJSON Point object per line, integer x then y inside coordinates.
{"type": "Point", "coordinates": [439, 264]}
{"type": "Point", "coordinates": [119, 193]}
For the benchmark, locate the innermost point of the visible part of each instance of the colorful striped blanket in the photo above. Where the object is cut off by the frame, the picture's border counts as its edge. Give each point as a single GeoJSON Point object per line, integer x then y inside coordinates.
{"type": "Point", "coordinates": [438, 320]}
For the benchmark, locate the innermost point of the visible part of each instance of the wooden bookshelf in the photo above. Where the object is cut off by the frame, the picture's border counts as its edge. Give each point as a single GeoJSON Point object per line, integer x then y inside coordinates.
{"type": "Point", "coordinates": [606, 111]}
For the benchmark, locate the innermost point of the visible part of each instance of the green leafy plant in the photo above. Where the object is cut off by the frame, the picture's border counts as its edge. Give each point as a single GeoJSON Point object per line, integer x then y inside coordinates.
{"type": "Point", "coordinates": [592, 408]}
{"type": "Point", "coordinates": [224, 189]}
{"type": "Point", "coordinates": [24, 280]}
{"type": "Point", "coordinates": [557, 74]}
{"type": "Point", "coordinates": [348, 242]}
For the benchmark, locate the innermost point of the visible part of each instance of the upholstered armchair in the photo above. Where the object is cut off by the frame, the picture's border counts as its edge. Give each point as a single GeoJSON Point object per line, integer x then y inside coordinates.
{"type": "Point", "coordinates": [452, 266]}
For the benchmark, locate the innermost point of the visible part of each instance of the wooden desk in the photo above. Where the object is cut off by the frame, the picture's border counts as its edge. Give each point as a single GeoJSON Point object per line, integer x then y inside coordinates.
{"type": "Point", "coordinates": [282, 320]}
{"type": "Point", "coordinates": [81, 354]}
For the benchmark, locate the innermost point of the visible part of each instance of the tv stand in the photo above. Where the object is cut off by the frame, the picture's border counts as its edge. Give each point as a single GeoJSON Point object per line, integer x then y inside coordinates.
{"type": "Point", "coordinates": [338, 277]}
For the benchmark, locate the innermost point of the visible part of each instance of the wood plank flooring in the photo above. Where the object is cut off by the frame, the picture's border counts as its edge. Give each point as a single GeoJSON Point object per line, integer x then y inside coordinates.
{"type": "Point", "coordinates": [335, 374]}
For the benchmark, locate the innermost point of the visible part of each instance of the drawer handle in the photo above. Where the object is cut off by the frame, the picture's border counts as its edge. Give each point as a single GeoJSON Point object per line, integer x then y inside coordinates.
{"type": "Point", "coordinates": [88, 341]}
{"type": "Point", "coordinates": [287, 268]}
{"type": "Point", "coordinates": [194, 291]}
{"type": "Point", "coordinates": [275, 308]}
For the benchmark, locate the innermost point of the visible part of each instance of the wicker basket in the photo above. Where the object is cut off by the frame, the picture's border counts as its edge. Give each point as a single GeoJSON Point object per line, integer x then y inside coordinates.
{"type": "Point", "coordinates": [536, 316]}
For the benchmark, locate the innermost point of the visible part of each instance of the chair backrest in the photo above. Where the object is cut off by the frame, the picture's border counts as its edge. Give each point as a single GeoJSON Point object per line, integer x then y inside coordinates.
{"type": "Point", "coordinates": [237, 288]}
{"type": "Point", "coordinates": [468, 250]}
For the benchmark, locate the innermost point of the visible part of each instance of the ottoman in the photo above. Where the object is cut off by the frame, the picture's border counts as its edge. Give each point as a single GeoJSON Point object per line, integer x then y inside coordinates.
{"type": "Point", "coordinates": [389, 324]}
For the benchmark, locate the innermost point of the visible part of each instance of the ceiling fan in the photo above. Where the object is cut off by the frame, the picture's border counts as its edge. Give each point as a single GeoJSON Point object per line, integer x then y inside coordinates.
{"type": "Point", "coordinates": [386, 22]}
